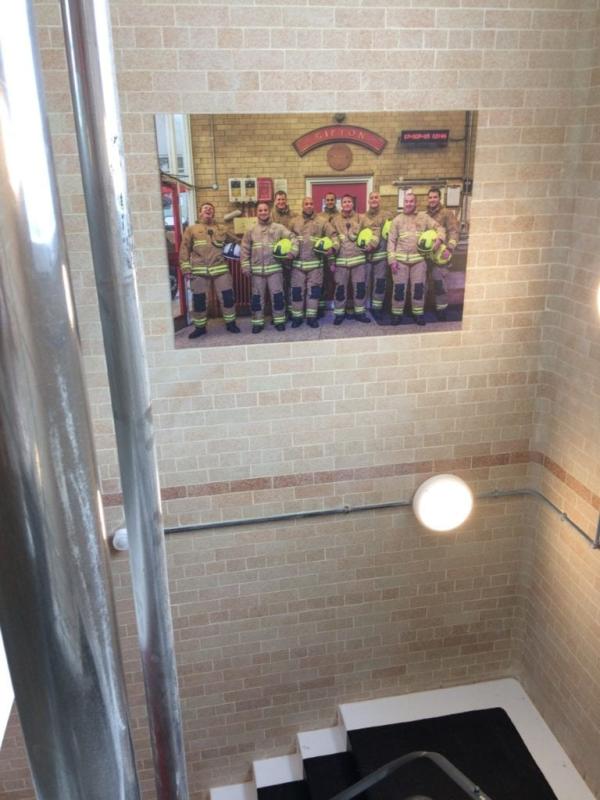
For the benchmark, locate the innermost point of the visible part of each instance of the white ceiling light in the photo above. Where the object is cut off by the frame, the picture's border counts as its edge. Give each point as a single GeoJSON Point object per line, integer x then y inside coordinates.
{"type": "Point", "coordinates": [443, 502]}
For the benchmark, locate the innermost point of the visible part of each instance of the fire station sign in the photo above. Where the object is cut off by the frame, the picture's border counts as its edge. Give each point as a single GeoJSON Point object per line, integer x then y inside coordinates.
{"type": "Point", "coordinates": [333, 134]}
{"type": "Point", "coordinates": [431, 138]}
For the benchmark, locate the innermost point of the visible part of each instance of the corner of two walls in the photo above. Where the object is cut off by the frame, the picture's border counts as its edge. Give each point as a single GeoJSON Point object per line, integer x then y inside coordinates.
{"type": "Point", "coordinates": [561, 646]}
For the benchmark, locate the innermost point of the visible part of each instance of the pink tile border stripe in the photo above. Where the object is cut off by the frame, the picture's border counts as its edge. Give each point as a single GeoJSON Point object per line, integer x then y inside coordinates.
{"type": "Point", "coordinates": [362, 473]}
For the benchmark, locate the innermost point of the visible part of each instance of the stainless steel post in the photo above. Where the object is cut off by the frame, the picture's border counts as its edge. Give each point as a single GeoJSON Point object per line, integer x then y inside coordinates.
{"type": "Point", "coordinates": [56, 606]}
{"type": "Point", "coordinates": [93, 87]}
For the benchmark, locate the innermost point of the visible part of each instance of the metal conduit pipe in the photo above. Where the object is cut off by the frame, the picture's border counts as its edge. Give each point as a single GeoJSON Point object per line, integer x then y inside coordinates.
{"type": "Point", "coordinates": [93, 87]}
{"type": "Point", "coordinates": [327, 512]}
{"type": "Point", "coordinates": [56, 607]}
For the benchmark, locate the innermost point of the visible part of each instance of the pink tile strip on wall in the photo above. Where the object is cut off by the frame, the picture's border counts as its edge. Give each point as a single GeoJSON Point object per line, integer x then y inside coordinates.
{"type": "Point", "coordinates": [363, 473]}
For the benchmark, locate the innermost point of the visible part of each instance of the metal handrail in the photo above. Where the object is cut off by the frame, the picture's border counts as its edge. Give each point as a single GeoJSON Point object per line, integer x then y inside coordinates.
{"type": "Point", "coordinates": [455, 775]}
{"type": "Point", "coordinates": [326, 512]}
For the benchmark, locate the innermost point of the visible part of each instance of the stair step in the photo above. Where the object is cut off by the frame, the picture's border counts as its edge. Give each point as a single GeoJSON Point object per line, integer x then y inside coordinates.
{"type": "Point", "coordinates": [506, 694]}
{"type": "Point", "coordinates": [281, 769]}
{"type": "Point", "coordinates": [328, 775]}
{"type": "Point", "coordinates": [483, 744]}
{"type": "Point", "coordinates": [293, 790]}
{"type": "Point", "coordinates": [322, 742]}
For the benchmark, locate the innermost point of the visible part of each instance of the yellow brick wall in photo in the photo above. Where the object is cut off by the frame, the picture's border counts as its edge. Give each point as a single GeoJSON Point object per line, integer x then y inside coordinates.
{"type": "Point", "coordinates": [262, 145]}
{"type": "Point", "coordinates": [511, 400]}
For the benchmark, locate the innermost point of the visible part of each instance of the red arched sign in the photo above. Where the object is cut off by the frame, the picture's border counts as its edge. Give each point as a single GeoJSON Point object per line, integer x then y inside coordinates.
{"type": "Point", "coordinates": [331, 134]}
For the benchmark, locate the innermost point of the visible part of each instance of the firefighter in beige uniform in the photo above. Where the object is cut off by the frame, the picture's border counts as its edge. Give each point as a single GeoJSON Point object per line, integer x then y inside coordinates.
{"type": "Point", "coordinates": [375, 218]}
{"type": "Point", "coordinates": [282, 214]}
{"type": "Point", "coordinates": [439, 272]}
{"type": "Point", "coordinates": [349, 262]}
{"type": "Point", "coordinates": [259, 261]}
{"type": "Point", "coordinates": [307, 268]}
{"type": "Point", "coordinates": [330, 210]}
{"type": "Point", "coordinates": [201, 256]}
{"type": "Point", "coordinates": [407, 265]}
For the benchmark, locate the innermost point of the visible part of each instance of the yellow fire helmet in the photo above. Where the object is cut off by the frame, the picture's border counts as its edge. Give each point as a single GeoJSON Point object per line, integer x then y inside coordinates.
{"type": "Point", "coordinates": [385, 231]}
{"type": "Point", "coordinates": [323, 244]}
{"type": "Point", "coordinates": [364, 238]}
{"type": "Point", "coordinates": [282, 248]}
{"type": "Point", "coordinates": [426, 241]}
{"type": "Point", "coordinates": [438, 257]}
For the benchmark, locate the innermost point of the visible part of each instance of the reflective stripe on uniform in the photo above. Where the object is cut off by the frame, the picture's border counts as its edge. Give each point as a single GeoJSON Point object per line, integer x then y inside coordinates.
{"type": "Point", "coordinates": [354, 261]}
{"type": "Point", "coordinates": [265, 269]}
{"type": "Point", "coordinates": [306, 265]}
{"type": "Point", "coordinates": [407, 258]}
{"type": "Point", "coordinates": [212, 272]}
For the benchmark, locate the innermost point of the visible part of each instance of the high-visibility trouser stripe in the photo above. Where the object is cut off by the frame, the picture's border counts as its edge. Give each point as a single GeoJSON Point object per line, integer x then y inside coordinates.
{"type": "Point", "coordinates": [306, 266]}
{"type": "Point", "coordinates": [350, 262]}
{"type": "Point", "coordinates": [211, 272]}
{"type": "Point", "coordinates": [199, 322]}
{"type": "Point", "coordinates": [311, 312]}
{"type": "Point", "coordinates": [379, 256]}
{"type": "Point", "coordinates": [407, 258]}
{"type": "Point", "coordinates": [297, 314]}
{"type": "Point", "coordinates": [441, 306]}
{"type": "Point", "coordinates": [265, 269]}
{"type": "Point", "coordinates": [228, 316]}
{"type": "Point", "coordinates": [377, 304]}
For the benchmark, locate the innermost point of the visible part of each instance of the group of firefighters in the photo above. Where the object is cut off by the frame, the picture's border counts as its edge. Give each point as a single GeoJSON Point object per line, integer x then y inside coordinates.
{"type": "Point", "coordinates": [290, 255]}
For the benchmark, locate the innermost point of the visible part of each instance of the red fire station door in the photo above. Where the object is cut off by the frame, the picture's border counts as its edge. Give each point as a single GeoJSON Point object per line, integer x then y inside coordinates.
{"type": "Point", "coordinates": [356, 190]}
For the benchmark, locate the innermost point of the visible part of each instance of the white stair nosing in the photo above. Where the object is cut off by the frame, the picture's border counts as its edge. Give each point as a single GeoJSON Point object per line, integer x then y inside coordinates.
{"type": "Point", "coordinates": [281, 769]}
{"type": "Point", "coordinates": [322, 742]}
{"type": "Point", "coordinates": [423, 705]}
{"type": "Point", "coordinates": [235, 791]}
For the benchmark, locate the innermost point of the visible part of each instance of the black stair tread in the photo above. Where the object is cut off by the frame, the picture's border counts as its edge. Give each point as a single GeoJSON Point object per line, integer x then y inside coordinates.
{"type": "Point", "coordinates": [294, 790]}
{"type": "Point", "coordinates": [328, 775]}
{"type": "Point", "coordinates": [484, 745]}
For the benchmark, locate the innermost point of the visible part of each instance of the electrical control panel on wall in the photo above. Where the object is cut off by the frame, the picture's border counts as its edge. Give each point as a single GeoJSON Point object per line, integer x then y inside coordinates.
{"type": "Point", "coordinates": [236, 190]}
{"type": "Point", "coordinates": [250, 190]}
{"type": "Point", "coordinates": [243, 190]}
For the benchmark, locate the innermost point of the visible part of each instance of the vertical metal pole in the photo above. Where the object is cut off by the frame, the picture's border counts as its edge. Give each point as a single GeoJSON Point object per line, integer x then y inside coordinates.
{"type": "Point", "coordinates": [93, 87]}
{"type": "Point", "coordinates": [56, 606]}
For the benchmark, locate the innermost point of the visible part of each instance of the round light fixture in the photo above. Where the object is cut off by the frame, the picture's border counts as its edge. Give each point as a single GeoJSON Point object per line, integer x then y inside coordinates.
{"type": "Point", "coordinates": [442, 503]}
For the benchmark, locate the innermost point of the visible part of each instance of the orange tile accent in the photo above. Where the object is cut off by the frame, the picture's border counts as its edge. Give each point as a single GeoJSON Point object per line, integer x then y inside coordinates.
{"type": "Point", "coordinates": [384, 471]}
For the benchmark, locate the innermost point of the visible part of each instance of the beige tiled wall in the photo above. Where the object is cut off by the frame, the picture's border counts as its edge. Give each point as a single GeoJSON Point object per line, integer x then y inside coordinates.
{"type": "Point", "coordinates": [562, 636]}
{"type": "Point", "coordinates": [510, 400]}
